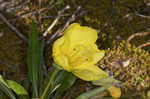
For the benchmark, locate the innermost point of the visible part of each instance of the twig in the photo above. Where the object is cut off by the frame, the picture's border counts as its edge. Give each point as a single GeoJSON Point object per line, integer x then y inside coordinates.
{"type": "Point", "coordinates": [29, 14]}
{"type": "Point", "coordinates": [143, 16]}
{"type": "Point", "coordinates": [72, 18]}
{"type": "Point", "coordinates": [59, 32]}
{"type": "Point", "coordinates": [13, 5]}
{"type": "Point", "coordinates": [52, 38]}
{"type": "Point", "coordinates": [56, 20]}
{"type": "Point", "coordinates": [25, 14]}
{"type": "Point", "coordinates": [82, 13]}
{"type": "Point", "coordinates": [20, 7]}
{"type": "Point", "coordinates": [54, 17]}
{"type": "Point", "coordinates": [13, 28]}
{"type": "Point", "coordinates": [11, 20]}
{"type": "Point", "coordinates": [144, 45]}
{"type": "Point", "coordinates": [135, 35]}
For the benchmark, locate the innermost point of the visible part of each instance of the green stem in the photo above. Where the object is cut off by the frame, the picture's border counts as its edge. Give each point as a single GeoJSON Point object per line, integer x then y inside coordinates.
{"type": "Point", "coordinates": [49, 83]}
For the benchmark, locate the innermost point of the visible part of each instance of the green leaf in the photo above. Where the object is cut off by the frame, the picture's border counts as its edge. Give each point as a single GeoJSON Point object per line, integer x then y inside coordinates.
{"type": "Point", "coordinates": [49, 83]}
{"type": "Point", "coordinates": [105, 98]}
{"type": "Point", "coordinates": [93, 92]}
{"type": "Point", "coordinates": [17, 88]}
{"type": "Point", "coordinates": [33, 59]}
{"type": "Point", "coordinates": [41, 66]}
{"type": "Point", "coordinates": [65, 80]}
{"type": "Point", "coordinates": [6, 89]}
{"type": "Point", "coordinates": [106, 81]}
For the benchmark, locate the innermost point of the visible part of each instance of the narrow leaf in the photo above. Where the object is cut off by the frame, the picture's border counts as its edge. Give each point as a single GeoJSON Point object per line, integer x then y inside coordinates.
{"type": "Point", "coordinates": [49, 83]}
{"type": "Point", "coordinates": [41, 66]}
{"type": "Point", "coordinates": [93, 92]}
{"type": "Point", "coordinates": [63, 81]}
{"type": "Point", "coordinates": [105, 98]}
{"type": "Point", "coordinates": [66, 80]}
{"type": "Point", "coordinates": [33, 58]}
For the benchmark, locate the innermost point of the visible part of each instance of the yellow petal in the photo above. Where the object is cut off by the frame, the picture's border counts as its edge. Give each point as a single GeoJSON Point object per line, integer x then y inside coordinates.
{"type": "Point", "coordinates": [56, 46]}
{"type": "Point", "coordinates": [76, 34]}
{"type": "Point", "coordinates": [98, 56]}
{"type": "Point", "coordinates": [114, 92]}
{"type": "Point", "coordinates": [59, 57]}
{"type": "Point", "coordinates": [89, 72]}
{"type": "Point", "coordinates": [82, 53]}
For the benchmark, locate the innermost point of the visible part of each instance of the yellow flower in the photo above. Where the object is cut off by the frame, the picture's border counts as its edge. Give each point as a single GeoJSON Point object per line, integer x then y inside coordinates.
{"type": "Point", "coordinates": [77, 52]}
{"type": "Point", "coordinates": [148, 94]}
{"type": "Point", "coordinates": [114, 91]}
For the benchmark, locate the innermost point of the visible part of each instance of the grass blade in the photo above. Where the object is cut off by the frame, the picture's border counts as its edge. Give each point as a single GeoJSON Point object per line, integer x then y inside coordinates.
{"type": "Point", "coordinates": [44, 94]}
{"type": "Point", "coordinates": [41, 68]}
{"type": "Point", "coordinates": [33, 59]}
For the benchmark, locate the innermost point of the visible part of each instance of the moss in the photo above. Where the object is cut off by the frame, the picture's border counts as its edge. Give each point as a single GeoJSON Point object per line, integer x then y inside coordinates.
{"type": "Point", "coordinates": [135, 77]}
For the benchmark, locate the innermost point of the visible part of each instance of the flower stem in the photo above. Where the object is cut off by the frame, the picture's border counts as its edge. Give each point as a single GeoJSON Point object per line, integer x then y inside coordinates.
{"type": "Point", "coordinates": [49, 83]}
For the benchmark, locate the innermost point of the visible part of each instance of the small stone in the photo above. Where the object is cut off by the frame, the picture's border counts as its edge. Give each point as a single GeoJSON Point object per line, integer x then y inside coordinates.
{"type": "Point", "coordinates": [121, 63]}
{"type": "Point", "coordinates": [118, 37]}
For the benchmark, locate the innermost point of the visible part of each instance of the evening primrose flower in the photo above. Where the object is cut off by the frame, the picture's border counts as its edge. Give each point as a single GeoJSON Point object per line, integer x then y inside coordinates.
{"type": "Point", "coordinates": [77, 52]}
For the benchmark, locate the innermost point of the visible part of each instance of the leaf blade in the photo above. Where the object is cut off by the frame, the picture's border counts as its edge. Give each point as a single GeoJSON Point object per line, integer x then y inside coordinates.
{"type": "Point", "coordinates": [17, 88]}
{"type": "Point", "coordinates": [33, 58]}
{"type": "Point", "coordinates": [93, 92]}
{"type": "Point", "coordinates": [66, 79]}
